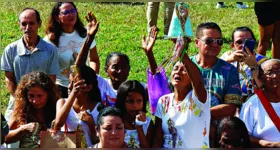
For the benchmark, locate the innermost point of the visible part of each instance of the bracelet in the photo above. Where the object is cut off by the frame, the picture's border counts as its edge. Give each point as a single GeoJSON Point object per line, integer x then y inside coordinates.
{"type": "Point", "coordinates": [140, 123]}
{"type": "Point", "coordinates": [254, 67]}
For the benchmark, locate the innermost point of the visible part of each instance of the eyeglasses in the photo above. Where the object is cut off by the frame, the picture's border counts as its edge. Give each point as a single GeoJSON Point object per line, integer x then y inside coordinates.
{"type": "Point", "coordinates": [210, 41]}
{"type": "Point", "coordinates": [130, 101]}
{"type": "Point", "coordinates": [271, 73]}
{"type": "Point", "coordinates": [67, 12]}
{"type": "Point", "coordinates": [240, 41]}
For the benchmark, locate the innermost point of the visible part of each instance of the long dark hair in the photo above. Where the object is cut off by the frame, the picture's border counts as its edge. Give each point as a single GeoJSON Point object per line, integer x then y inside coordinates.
{"type": "Point", "coordinates": [127, 87]}
{"type": "Point", "coordinates": [24, 111]}
{"type": "Point", "coordinates": [89, 75]}
{"type": "Point", "coordinates": [54, 29]}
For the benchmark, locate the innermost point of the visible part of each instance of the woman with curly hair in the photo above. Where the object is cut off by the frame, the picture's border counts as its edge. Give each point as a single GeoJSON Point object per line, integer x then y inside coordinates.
{"type": "Point", "coordinates": [66, 31]}
{"type": "Point", "coordinates": [34, 111]}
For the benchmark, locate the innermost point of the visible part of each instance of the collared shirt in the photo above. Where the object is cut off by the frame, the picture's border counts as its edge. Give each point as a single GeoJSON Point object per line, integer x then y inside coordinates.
{"type": "Point", "coordinates": [18, 59]}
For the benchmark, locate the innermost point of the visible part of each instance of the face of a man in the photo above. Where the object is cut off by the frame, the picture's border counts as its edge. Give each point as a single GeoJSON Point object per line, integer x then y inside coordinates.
{"type": "Point", "coordinates": [210, 42]}
{"type": "Point", "coordinates": [28, 23]}
{"type": "Point", "coordinates": [239, 39]}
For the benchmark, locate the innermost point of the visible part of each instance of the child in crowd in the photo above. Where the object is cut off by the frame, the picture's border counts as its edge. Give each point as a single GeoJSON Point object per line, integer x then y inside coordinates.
{"type": "Point", "coordinates": [232, 133]}
{"type": "Point", "coordinates": [79, 111]}
{"type": "Point", "coordinates": [132, 99]}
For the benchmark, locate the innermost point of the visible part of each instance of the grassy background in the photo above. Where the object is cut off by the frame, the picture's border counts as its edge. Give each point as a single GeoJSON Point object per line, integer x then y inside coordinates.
{"type": "Point", "coordinates": [122, 27]}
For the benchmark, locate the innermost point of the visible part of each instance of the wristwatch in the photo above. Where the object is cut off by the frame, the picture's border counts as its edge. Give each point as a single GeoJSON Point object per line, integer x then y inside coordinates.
{"type": "Point", "coordinates": [254, 67]}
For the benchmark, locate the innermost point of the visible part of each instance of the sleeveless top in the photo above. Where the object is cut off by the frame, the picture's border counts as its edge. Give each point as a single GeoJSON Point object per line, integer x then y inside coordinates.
{"type": "Point", "coordinates": [74, 123]}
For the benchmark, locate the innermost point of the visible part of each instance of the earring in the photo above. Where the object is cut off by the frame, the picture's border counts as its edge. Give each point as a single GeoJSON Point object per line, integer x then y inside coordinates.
{"type": "Point", "coordinates": [97, 134]}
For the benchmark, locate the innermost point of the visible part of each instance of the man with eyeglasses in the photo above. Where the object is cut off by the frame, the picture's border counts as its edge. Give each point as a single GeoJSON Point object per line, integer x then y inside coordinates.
{"type": "Point", "coordinates": [30, 53]}
{"type": "Point", "coordinates": [220, 77]}
{"type": "Point", "coordinates": [237, 57]}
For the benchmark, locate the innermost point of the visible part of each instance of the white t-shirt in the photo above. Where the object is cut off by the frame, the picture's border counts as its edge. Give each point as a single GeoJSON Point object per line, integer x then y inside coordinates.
{"type": "Point", "coordinates": [108, 93]}
{"type": "Point", "coordinates": [69, 43]}
{"type": "Point", "coordinates": [185, 125]}
{"type": "Point", "coordinates": [131, 136]}
{"type": "Point", "coordinates": [258, 121]}
{"type": "Point", "coordinates": [73, 122]}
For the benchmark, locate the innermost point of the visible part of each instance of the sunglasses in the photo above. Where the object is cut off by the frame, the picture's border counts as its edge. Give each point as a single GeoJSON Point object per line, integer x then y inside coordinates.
{"type": "Point", "coordinates": [67, 12]}
{"type": "Point", "coordinates": [210, 41]}
{"type": "Point", "coordinates": [240, 41]}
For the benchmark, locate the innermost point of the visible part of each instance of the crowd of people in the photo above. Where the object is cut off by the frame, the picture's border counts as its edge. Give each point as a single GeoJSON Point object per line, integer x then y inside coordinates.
{"type": "Point", "coordinates": [227, 102]}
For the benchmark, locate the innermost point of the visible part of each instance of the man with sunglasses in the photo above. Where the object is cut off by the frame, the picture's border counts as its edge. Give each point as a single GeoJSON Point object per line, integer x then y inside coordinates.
{"type": "Point", "coordinates": [220, 77]}
{"type": "Point", "coordinates": [237, 57]}
{"type": "Point", "coordinates": [30, 53]}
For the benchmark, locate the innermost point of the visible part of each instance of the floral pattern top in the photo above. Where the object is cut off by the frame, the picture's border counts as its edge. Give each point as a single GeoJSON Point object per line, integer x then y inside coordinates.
{"type": "Point", "coordinates": [185, 125]}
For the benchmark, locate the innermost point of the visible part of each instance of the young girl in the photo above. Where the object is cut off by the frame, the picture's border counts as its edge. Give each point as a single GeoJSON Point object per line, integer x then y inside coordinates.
{"type": "Point", "coordinates": [232, 133]}
{"type": "Point", "coordinates": [131, 99]}
{"type": "Point", "coordinates": [80, 109]}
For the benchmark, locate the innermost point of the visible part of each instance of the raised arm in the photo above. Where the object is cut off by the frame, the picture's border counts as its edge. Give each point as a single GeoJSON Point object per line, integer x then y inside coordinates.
{"type": "Point", "coordinates": [195, 77]}
{"type": "Point", "coordinates": [147, 45]}
{"type": "Point", "coordinates": [91, 32]}
{"type": "Point", "coordinates": [250, 60]}
{"type": "Point", "coordinates": [94, 61]}
{"type": "Point", "coordinates": [63, 107]}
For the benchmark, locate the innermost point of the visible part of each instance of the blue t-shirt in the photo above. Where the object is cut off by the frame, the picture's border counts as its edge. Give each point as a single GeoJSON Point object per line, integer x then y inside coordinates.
{"type": "Point", "coordinates": [222, 82]}
{"type": "Point", "coordinates": [18, 59]}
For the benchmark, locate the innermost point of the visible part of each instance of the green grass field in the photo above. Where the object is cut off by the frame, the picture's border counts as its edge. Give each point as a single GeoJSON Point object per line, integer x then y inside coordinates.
{"type": "Point", "coordinates": [122, 27]}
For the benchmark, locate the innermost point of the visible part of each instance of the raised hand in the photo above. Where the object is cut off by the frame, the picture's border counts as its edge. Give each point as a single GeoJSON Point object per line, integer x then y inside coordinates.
{"type": "Point", "coordinates": [141, 116]}
{"type": "Point", "coordinates": [77, 86]}
{"type": "Point", "coordinates": [250, 58]}
{"type": "Point", "coordinates": [148, 43]}
{"type": "Point", "coordinates": [92, 24]}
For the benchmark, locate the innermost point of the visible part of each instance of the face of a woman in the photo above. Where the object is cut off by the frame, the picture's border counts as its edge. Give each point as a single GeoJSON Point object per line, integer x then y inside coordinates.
{"type": "Point", "coordinates": [179, 76]}
{"type": "Point", "coordinates": [239, 39]}
{"type": "Point", "coordinates": [67, 15]}
{"type": "Point", "coordinates": [37, 97]}
{"type": "Point", "coordinates": [271, 75]}
{"type": "Point", "coordinates": [111, 132]}
{"type": "Point", "coordinates": [118, 69]}
{"type": "Point", "coordinates": [133, 103]}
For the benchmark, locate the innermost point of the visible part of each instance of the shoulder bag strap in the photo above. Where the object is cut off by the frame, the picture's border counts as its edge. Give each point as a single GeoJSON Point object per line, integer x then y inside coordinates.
{"type": "Point", "coordinates": [269, 109]}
